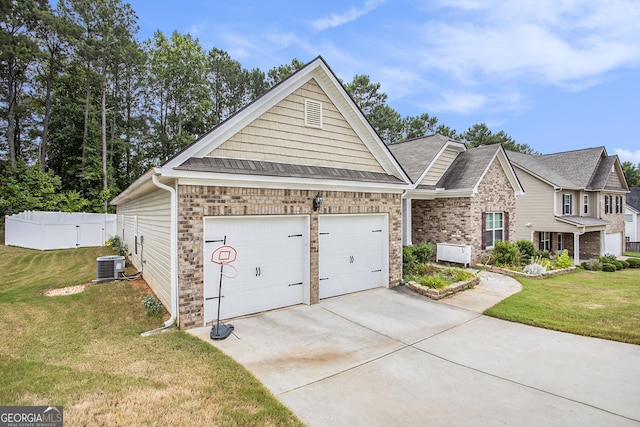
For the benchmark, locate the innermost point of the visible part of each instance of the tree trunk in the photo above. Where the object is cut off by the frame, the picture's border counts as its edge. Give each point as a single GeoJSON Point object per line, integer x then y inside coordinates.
{"type": "Point", "coordinates": [11, 119]}
{"type": "Point", "coordinates": [47, 118]}
{"type": "Point", "coordinates": [87, 97]}
{"type": "Point", "coordinates": [105, 183]}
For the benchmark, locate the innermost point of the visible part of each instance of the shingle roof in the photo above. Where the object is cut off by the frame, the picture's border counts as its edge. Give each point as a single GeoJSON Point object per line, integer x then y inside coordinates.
{"type": "Point", "coordinates": [586, 221]}
{"type": "Point", "coordinates": [633, 198]}
{"type": "Point", "coordinates": [588, 168]}
{"type": "Point", "coordinates": [468, 168]}
{"type": "Point", "coordinates": [254, 167]}
{"type": "Point", "coordinates": [416, 155]}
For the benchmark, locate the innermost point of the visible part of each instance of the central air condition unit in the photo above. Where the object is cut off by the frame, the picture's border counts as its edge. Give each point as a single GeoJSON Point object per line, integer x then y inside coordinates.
{"type": "Point", "coordinates": [109, 268]}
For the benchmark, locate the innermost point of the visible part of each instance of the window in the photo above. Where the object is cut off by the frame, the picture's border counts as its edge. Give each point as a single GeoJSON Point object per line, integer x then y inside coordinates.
{"type": "Point", "coordinates": [628, 217]}
{"type": "Point", "coordinates": [559, 245]}
{"type": "Point", "coordinates": [585, 204]}
{"type": "Point", "coordinates": [494, 228]}
{"type": "Point", "coordinates": [608, 204]}
{"type": "Point", "coordinates": [619, 204]}
{"type": "Point", "coordinates": [545, 241]}
{"type": "Point", "coordinates": [566, 204]}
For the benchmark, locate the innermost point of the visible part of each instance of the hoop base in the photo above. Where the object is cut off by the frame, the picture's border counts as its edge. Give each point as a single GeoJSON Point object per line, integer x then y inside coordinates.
{"type": "Point", "coordinates": [220, 331]}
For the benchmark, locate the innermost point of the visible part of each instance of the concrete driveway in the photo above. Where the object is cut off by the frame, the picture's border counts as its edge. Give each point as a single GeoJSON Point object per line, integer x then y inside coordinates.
{"type": "Point", "coordinates": [391, 357]}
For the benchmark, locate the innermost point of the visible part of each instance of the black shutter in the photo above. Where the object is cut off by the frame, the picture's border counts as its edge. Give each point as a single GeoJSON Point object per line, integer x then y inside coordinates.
{"type": "Point", "coordinates": [506, 226]}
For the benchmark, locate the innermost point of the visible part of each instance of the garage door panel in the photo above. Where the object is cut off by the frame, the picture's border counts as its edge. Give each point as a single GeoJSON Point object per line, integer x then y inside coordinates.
{"type": "Point", "coordinates": [269, 271]}
{"type": "Point", "coordinates": [352, 253]}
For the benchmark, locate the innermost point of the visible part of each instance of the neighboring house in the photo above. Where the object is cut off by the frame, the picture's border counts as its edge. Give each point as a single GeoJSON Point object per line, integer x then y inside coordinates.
{"type": "Point", "coordinates": [459, 197]}
{"type": "Point", "coordinates": [293, 199]}
{"type": "Point", "coordinates": [632, 215]}
{"type": "Point", "coordinates": [574, 200]}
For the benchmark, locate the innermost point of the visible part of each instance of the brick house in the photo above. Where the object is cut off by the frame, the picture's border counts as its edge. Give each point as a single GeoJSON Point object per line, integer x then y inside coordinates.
{"type": "Point", "coordinates": [293, 199]}
{"type": "Point", "coordinates": [462, 200]}
{"type": "Point", "coordinates": [575, 200]}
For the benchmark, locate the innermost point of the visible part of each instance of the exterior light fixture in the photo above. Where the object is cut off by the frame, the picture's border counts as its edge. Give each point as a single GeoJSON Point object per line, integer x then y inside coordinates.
{"type": "Point", "coordinates": [317, 201]}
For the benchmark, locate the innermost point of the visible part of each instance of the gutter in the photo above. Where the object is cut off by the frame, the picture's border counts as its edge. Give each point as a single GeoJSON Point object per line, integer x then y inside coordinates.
{"type": "Point", "coordinates": [173, 257]}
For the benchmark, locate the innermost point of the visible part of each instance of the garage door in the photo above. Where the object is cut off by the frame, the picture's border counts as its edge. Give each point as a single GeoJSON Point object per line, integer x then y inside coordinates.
{"type": "Point", "coordinates": [353, 253]}
{"type": "Point", "coordinates": [613, 244]}
{"type": "Point", "coordinates": [270, 269]}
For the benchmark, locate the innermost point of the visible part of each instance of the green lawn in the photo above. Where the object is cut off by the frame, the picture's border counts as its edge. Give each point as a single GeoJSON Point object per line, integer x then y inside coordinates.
{"type": "Point", "coordinates": [633, 254]}
{"type": "Point", "coordinates": [85, 352]}
{"type": "Point", "coordinates": [591, 303]}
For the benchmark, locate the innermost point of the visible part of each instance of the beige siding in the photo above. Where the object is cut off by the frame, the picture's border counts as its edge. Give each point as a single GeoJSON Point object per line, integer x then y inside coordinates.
{"type": "Point", "coordinates": [150, 216]}
{"type": "Point", "coordinates": [439, 167]}
{"type": "Point", "coordinates": [536, 208]}
{"type": "Point", "coordinates": [613, 181]}
{"type": "Point", "coordinates": [280, 135]}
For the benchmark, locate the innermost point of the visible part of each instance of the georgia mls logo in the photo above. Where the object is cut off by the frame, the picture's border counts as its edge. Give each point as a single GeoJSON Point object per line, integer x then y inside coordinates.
{"type": "Point", "coordinates": [31, 416]}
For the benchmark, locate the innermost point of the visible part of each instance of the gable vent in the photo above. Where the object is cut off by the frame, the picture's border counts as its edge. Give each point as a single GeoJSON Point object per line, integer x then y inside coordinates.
{"type": "Point", "coordinates": [312, 113]}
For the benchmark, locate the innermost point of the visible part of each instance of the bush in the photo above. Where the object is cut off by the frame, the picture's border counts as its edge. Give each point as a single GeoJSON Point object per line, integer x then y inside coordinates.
{"type": "Point", "coordinates": [526, 248]}
{"type": "Point", "coordinates": [152, 305]}
{"type": "Point", "coordinates": [506, 253]}
{"type": "Point", "coordinates": [618, 264]}
{"type": "Point", "coordinates": [586, 265]}
{"type": "Point", "coordinates": [437, 281]}
{"type": "Point", "coordinates": [625, 264]}
{"type": "Point", "coordinates": [416, 254]}
{"type": "Point", "coordinates": [563, 260]}
{"type": "Point", "coordinates": [535, 269]}
{"type": "Point", "coordinates": [543, 254]}
{"type": "Point", "coordinates": [608, 267]}
{"type": "Point", "coordinates": [634, 262]}
{"type": "Point", "coordinates": [118, 247]}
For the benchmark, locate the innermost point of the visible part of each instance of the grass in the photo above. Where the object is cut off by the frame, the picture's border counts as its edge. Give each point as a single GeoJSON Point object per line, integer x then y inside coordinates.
{"type": "Point", "coordinates": [633, 254]}
{"type": "Point", "coordinates": [590, 303]}
{"type": "Point", "coordinates": [85, 352]}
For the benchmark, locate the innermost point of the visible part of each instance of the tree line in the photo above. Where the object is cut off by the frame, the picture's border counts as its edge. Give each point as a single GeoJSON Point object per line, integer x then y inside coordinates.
{"type": "Point", "coordinates": [86, 107]}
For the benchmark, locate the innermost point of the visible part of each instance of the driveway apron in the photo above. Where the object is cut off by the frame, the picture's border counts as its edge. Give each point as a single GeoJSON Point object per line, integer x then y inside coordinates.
{"type": "Point", "coordinates": [392, 357]}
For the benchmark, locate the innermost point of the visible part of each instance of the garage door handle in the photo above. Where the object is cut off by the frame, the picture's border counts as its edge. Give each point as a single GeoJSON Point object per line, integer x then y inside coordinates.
{"type": "Point", "coordinates": [376, 231]}
{"type": "Point", "coordinates": [323, 234]}
{"type": "Point", "coordinates": [376, 271]}
{"type": "Point", "coordinates": [352, 259]}
{"type": "Point", "coordinates": [296, 284]}
{"type": "Point", "coordinates": [258, 271]}
{"type": "Point", "coordinates": [294, 235]}
{"type": "Point", "coordinates": [324, 278]}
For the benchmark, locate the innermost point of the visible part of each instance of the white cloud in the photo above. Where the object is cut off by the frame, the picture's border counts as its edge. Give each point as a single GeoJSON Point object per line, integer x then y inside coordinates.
{"type": "Point", "coordinates": [628, 155]}
{"type": "Point", "coordinates": [335, 19]}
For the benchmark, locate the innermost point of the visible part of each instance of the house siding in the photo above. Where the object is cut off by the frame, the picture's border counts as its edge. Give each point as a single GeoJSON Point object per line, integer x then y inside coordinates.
{"type": "Point", "coordinates": [439, 167]}
{"type": "Point", "coordinates": [459, 220]}
{"type": "Point", "coordinates": [279, 135]}
{"type": "Point", "coordinates": [152, 212]}
{"type": "Point", "coordinates": [197, 202]}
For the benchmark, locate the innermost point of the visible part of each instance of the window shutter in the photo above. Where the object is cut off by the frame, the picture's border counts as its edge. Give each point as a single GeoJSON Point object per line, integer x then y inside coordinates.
{"type": "Point", "coordinates": [506, 226]}
{"type": "Point", "coordinates": [484, 230]}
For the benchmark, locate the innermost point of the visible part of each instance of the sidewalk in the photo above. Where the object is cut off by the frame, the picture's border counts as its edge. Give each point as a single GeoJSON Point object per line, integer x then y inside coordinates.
{"type": "Point", "coordinates": [492, 289]}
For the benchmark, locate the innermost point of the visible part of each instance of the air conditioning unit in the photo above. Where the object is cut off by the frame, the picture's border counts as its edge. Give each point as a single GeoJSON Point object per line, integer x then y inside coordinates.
{"type": "Point", "coordinates": [109, 268]}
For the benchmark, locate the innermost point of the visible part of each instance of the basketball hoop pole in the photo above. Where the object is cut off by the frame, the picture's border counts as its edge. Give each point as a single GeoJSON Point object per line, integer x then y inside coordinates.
{"type": "Point", "coordinates": [220, 331]}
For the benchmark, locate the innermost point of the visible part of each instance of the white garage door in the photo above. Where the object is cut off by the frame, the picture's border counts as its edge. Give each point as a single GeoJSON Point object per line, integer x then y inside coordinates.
{"type": "Point", "coordinates": [270, 269]}
{"type": "Point", "coordinates": [353, 253]}
{"type": "Point", "coordinates": [613, 244]}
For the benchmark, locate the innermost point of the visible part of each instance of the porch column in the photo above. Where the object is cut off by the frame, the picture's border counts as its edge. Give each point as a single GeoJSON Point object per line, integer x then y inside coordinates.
{"type": "Point", "coordinates": [576, 248]}
{"type": "Point", "coordinates": [406, 221]}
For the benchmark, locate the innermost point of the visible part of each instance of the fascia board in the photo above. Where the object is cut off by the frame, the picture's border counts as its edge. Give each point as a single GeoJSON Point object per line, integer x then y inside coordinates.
{"type": "Point", "coordinates": [437, 194]}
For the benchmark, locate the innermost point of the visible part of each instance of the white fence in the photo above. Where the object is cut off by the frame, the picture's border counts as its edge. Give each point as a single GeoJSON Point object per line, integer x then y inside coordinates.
{"type": "Point", "coordinates": [58, 230]}
{"type": "Point", "coordinates": [460, 254]}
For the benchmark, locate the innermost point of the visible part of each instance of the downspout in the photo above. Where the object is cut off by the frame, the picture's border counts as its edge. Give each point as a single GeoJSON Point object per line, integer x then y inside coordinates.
{"type": "Point", "coordinates": [173, 257]}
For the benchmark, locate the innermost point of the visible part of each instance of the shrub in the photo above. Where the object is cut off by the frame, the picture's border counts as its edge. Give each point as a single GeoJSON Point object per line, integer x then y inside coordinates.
{"type": "Point", "coordinates": [118, 246]}
{"type": "Point", "coordinates": [152, 305]}
{"type": "Point", "coordinates": [535, 269]}
{"type": "Point", "coordinates": [563, 260]}
{"type": "Point", "coordinates": [506, 253]}
{"type": "Point", "coordinates": [608, 267]}
{"type": "Point", "coordinates": [634, 262]}
{"type": "Point", "coordinates": [618, 264]}
{"type": "Point", "coordinates": [625, 264]}
{"type": "Point", "coordinates": [586, 265]}
{"type": "Point", "coordinates": [543, 254]}
{"type": "Point", "coordinates": [437, 281]}
{"type": "Point", "coordinates": [416, 254]}
{"type": "Point", "coordinates": [458, 274]}
{"type": "Point", "coordinates": [526, 248]}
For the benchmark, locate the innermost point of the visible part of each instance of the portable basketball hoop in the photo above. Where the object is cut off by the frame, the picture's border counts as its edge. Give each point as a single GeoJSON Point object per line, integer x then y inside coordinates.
{"type": "Point", "coordinates": [223, 255]}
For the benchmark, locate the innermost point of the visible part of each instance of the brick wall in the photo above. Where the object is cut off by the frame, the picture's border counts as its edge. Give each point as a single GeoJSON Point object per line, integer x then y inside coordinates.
{"type": "Point", "coordinates": [590, 245]}
{"type": "Point", "coordinates": [459, 220]}
{"type": "Point", "coordinates": [197, 202]}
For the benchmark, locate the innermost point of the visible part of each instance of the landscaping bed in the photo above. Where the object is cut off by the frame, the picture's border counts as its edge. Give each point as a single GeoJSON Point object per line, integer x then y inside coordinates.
{"type": "Point", "coordinates": [516, 273]}
{"type": "Point", "coordinates": [437, 293]}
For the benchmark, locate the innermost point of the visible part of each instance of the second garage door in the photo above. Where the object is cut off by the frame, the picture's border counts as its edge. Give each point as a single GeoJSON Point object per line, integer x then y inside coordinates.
{"type": "Point", "coordinates": [613, 244]}
{"type": "Point", "coordinates": [269, 265]}
{"type": "Point", "coordinates": [353, 253]}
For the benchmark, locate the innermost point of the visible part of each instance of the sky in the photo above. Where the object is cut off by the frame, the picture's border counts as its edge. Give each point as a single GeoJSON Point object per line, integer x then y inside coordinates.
{"type": "Point", "coordinates": [557, 75]}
